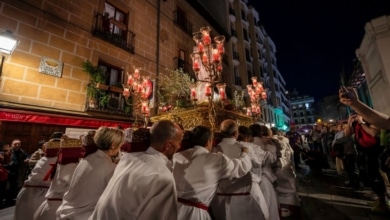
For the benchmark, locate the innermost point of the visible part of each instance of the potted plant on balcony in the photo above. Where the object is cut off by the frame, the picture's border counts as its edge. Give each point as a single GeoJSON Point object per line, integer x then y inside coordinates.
{"type": "Point", "coordinates": [96, 83]}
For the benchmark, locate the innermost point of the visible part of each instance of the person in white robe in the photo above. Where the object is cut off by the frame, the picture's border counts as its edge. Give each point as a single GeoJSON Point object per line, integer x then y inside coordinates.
{"type": "Point", "coordinates": [35, 187]}
{"type": "Point", "coordinates": [67, 161]}
{"type": "Point", "coordinates": [258, 157]}
{"type": "Point", "coordinates": [92, 174]}
{"type": "Point", "coordinates": [286, 189]}
{"type": "Point", "coordinates": [238, 198]}
{"type": "Point", "coordinates": [197, 173]}
{"type": "Point", "coordinates": [142, 186]}
{"type": "Point", "coordinates": [262, 137]}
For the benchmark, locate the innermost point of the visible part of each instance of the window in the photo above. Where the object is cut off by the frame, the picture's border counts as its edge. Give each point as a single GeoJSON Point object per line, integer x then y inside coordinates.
{"type": "Point", "coordinates": [243, 15]}
{"type": "Point", "coordinates": [114, 20]}
{"type": "Point", "coordinates": [181, 20]}
{"type": "Point", "coordinates": [181, 62]}
{"type": "Point", "coordinates": [301, 114]}
{"type": "Point", "coordinates": [246, 35]}
{"type": "Point", "coordinates": [302, 121]}
{"type": "Point", "coordinates": [114, 74]}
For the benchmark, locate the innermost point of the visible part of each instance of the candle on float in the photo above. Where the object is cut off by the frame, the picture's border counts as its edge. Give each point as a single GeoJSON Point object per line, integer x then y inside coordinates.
{"type": "Point", "coordinates": [215, 56]}
{"type": "Point", "coordinates": [126, 92]}
{"type": "Point", "coordinates": [136, 74]}
{"type": "Point", "coordinates": [206, 38]}
{"type": "Point", "coordinates": [248, 112]}
{"type": "Point", "coordinates": [130, 79]}
{"type": "Point", "coordinates": [195, 66]}
{"type": "Point", "coordinates": [254, 108]}
{"type": "Point", "coordinates": [193, 94]}
{"type": "Point", "coordinates": [205, 58]}
{"type": "Point", "coordinates": [222, 94]}
{"type": "Point", "coordinates": [258, 110]}
{"type": "Point", "coordinates": [208, 90]}
{"type": "Point", "coordinates": [200, 47]}
{"type": "Point", "coordinates": [219, 68]}
{"type": "Point", "coordinates": [139, 89]}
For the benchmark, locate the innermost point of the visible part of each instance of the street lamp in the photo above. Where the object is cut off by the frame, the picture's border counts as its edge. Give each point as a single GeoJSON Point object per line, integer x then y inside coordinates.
{"type": "Point", "coordinates": [7, 45]}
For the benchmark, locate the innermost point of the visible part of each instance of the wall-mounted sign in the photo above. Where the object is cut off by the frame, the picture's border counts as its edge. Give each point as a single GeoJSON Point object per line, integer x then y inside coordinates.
{"type": "Point", "coordinates": [51, 67]}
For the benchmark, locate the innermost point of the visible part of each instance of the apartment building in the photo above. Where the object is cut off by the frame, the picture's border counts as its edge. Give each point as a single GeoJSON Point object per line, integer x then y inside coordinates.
{"type": "Point", "coordinates": [254, 54]}
{"type": "Point", "coordinates": [303, 110]}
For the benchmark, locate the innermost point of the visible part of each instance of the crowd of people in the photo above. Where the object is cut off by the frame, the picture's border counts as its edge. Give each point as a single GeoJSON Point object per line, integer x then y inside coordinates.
{"type": "Point", "coordinates": [243, 173]}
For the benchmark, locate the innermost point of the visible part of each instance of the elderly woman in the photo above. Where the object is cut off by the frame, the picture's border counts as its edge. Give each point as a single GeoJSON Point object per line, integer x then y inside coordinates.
{"type": "Point", "coordinates": [91, 175]}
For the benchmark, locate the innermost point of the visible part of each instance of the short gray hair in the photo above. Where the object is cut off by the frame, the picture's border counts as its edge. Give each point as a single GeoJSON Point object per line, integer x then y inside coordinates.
{"type": "Point", "coordinates": [162, 131]}
{"type": "Point", "coordinates": [105, 137]}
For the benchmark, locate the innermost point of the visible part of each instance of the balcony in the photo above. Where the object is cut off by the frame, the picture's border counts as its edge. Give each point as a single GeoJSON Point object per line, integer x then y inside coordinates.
{"type": "Point", "coordinates": [120, 37]}
{"type": "Point", "coordinates": [182, 23]}
{"type": "Point", "coordinates": [109, 101]}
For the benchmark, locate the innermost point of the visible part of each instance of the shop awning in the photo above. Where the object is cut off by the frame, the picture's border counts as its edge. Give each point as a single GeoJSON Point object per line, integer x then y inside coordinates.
{"type": "Point", "coordinates": [65, 120]}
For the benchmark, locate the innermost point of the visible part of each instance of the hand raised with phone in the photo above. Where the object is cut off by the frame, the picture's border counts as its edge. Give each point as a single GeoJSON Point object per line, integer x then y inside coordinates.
{"type": "Point", "coordinates": [347, 96]}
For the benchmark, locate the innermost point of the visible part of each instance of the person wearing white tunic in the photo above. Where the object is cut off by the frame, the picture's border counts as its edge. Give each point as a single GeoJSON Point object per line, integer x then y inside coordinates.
{"type": "Point", "coordinates": [142, 186]}
{"type": "Point", "coordinates": [91, 175]}
{"type": "Point", "coordinates": [35, 187]}
{"type": "Point", "coordinates": [197, 173]}
{"type": "Point", "coordinates": [286, 189]}
{"type": "Point", "coordinates": [258, 157]}
{"type": "Point", "coordinates": [236, 198]}
{"type": "Point", "coordinates": [67, 161]}
{"type": "Point", "coordinates": [262, 137]}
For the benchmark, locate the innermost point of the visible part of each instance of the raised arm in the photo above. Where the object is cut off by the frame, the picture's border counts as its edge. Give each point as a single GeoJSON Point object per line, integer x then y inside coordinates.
{"type": "Point", "coordinates": [370, 115]}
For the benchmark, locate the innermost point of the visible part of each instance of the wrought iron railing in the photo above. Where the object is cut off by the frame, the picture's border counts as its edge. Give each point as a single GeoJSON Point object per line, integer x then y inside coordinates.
{"type": "Point", "coordinates": [109, 102]}
{"type": "Point", "coordinates": [124, 38]}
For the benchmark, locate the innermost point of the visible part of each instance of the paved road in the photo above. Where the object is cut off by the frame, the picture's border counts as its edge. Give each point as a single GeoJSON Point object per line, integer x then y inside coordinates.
{"type": "Point", "coordinates": [325, 197]}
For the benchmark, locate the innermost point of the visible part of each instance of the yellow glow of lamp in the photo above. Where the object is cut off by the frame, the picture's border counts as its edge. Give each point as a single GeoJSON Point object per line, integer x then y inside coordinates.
{"type": "Point", "coordinates": [7, 45]}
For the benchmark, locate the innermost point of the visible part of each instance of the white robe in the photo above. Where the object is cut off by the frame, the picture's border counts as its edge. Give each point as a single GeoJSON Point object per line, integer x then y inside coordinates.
{"type": "Point", "coordinates": [231, 207]}
{"type": "Point", "coordinates": [89, 180]}
{"type": "Point", "coordinates": [286, 189]}
{"type": "Point", "coordinates": [197, 173]}
{"type": "Point", "coordinates": [58, 186]}
{"type": "Point", "coordinates": [266, 184]}
{"type": "Point", "coordinates": [34, 190]}
{"type": "Point", "coordinates": [141, 188]}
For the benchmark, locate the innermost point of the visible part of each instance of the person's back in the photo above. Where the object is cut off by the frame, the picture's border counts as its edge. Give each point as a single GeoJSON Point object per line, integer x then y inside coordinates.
{"type": "Point", "coordinates": [139, 176]}
{"type": "Point", "coordinates": [142, 186]}
{"type": "Point", "coordinates": [197, 173]}
{"type": "Point", "coordinates": [235, 198]}
{"type": "Point", "coordinates": [92, 175]}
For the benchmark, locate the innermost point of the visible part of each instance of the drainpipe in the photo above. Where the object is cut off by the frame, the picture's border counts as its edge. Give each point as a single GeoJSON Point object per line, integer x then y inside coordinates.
{"type": "Point", "coordinates": [156, 101]}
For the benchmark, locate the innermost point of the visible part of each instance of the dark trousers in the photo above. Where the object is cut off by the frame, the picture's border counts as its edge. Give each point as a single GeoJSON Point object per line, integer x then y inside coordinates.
{"type": "Point", "coordinates": [371, 166]}
{"type": "Point", "coordinates": [350, 168]}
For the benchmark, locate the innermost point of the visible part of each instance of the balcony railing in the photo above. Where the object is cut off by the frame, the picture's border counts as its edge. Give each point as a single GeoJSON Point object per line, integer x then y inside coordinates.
{"type": "Point", "coordinates": [109, 102]}
{"type": "Point", "coordinates": [124, 38]}
{"type": "Point", "coordinates": [182, 22]}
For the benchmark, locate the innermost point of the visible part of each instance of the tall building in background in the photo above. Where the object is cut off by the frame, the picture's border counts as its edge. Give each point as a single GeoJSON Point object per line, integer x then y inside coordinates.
{"type": "Point", "coordinates": [253, 53]}
{"type": "Point", "coordinates": [303, 110]}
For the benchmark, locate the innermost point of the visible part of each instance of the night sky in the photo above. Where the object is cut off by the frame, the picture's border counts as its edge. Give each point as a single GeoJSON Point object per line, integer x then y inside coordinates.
{"type": "Point", "coordinates": [316, 39]}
